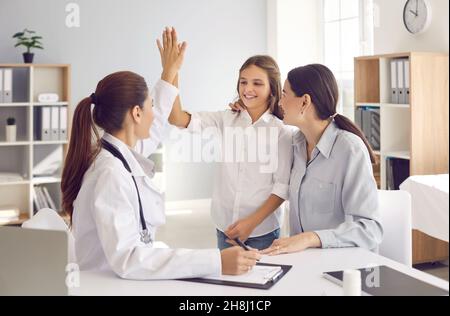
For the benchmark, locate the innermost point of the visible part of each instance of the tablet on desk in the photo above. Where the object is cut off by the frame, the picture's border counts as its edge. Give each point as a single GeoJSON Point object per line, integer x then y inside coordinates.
{"type": "Point", "coordinates": [385, 281]}
{"type": "Point", "coordinates": [262, 276]}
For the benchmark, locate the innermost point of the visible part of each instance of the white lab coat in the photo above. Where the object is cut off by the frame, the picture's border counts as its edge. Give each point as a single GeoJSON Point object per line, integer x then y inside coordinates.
{"type": "Point", "coordinates": [106, 223]}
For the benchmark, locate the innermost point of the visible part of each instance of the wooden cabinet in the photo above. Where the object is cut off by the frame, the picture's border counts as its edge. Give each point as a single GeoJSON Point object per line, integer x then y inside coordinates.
{"type": "Point", "coordinates": [418, 131]}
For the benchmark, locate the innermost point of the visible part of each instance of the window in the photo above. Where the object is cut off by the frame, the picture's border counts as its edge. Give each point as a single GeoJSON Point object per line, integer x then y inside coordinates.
{"type": "Point", "coordinates": [348, 32]}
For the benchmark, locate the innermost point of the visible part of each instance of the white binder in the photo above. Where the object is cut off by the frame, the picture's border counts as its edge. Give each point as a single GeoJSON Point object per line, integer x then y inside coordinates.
{"type": "Point", "coordinates": [1, 85]}
{"type": "Point", "coordinates": [55, 123]}
{"type": "Point", "coordinates": [401, 81]}
{"type": "Point", "coordinates": [394, 82]}
{"type": "Point", "coordinates": [46, 123]}
{"type": "Point", "coordinates": [7, 85]}
{"type": "Point", "coordinates": [407, 81]}
{"type": "Point", "coordinates": [63, 123]}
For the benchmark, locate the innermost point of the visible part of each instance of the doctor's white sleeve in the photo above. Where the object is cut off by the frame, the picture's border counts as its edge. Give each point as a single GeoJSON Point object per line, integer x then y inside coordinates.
{"type": "Point", "coordinates": [119, 229]}
{"type": "Point", "coordinates": [164, 95]}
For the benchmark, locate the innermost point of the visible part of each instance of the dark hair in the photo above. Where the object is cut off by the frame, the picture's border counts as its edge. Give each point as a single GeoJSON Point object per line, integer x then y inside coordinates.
{"type": "Point", "coordinates": [115, 95]}
{"type": "Point", "coordinates": [270, 66]}
{"type": "Point", "coordinates": [320, 84]}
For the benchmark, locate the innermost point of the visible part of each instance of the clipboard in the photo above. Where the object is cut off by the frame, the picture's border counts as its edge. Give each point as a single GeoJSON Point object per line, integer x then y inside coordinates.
{"type": "Point", "coordinates": [285, 269]}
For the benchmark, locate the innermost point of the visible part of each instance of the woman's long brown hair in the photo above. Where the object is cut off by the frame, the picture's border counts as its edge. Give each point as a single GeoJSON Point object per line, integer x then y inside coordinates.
{"type": "Point", "coordinates": [320, 84]}
{"type": "Point", "coordinates": [115, 95]}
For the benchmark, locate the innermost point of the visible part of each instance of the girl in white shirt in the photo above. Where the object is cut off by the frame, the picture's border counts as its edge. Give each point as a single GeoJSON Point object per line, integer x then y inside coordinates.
{"type": "Point", "coordinates": [106, 185]}
{"type": "Point", "coordinates": [247, 193]}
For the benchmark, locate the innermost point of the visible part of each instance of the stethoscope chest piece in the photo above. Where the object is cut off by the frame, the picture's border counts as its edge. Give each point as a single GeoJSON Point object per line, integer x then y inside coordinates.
{"type": "Point", "coordinates": [145, 237]}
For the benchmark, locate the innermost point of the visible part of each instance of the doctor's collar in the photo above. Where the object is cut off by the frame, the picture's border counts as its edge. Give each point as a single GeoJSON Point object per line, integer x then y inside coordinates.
{"type": "Point", "coordinates": [128, 153]}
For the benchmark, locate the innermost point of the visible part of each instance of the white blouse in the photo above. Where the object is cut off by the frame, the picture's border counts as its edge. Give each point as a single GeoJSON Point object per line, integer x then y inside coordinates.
{"type": "Point", "coordinates": [259, 166]}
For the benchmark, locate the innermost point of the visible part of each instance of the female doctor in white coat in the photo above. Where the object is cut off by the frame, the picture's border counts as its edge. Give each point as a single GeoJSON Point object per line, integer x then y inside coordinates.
{"type": "Point", "coordinates": [106, 185]}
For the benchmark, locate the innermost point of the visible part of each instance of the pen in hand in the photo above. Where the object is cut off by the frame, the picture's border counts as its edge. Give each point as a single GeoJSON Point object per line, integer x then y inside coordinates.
{"type": "Point", "coordinates": [240, 243]}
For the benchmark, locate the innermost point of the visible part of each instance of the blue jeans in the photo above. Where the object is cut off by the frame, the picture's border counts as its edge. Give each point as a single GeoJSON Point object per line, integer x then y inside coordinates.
{"type": "Point", "coordinates": [261, 242]}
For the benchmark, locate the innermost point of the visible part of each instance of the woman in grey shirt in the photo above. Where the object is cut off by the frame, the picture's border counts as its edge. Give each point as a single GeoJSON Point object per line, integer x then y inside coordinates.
{"type": "Point", "coordinates": [332, 195]}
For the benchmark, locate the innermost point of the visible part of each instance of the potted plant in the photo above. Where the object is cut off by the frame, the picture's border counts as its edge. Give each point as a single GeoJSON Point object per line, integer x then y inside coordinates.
{"type": "Point", "coordinates": [28, 39]}
{"type": "Point", "coordinates": [11, 130]}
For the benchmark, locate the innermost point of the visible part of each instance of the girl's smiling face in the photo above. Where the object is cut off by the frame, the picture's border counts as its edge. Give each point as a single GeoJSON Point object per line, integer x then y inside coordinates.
{"type": "Point", "coordinates": [254, 87]}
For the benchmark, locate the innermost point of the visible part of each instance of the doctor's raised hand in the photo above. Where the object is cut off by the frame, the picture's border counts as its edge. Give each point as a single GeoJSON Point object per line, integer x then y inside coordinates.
{"type": "Point", "coordinates": [172, 54]}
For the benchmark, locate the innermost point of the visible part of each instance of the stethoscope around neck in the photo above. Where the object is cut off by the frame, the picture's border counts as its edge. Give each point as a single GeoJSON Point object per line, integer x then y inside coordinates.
{"type": "Point", "coordinates": [145, 235]}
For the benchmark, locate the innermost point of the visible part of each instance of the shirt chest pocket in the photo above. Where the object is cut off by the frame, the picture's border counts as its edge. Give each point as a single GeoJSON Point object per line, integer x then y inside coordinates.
{"type": "Point", "coordinates": [297, 174]}
{"type": "Point", "coordinates": [322, 196]}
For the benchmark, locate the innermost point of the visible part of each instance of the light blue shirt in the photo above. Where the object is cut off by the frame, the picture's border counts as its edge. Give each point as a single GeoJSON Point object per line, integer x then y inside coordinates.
{"type": "Point", "coordinates": [335, 194]}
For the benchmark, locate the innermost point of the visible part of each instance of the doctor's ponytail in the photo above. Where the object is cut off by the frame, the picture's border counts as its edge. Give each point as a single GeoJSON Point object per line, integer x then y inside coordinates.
{"type": "Point", "coordinates": [114, 97]}
{"type": "Point", "coordinates": [82, 151]}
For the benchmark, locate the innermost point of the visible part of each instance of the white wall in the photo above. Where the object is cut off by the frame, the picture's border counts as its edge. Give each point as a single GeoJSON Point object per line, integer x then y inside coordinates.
{"type": "Point", "coordinates": [119, 34]}
{"type": "Point", "coordinates": [391, 36]}
{"type": "Point", "coordinates": [295, 33]}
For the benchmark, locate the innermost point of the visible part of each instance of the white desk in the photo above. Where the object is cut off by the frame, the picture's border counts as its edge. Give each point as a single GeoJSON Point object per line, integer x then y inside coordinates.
{"type": "Point", "coordinates": [305, 277]}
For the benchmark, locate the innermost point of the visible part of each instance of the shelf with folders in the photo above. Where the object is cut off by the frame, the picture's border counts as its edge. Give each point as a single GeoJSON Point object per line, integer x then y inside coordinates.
{"type": "Point", "coordinates": [34, 159]}
{"type": "Point", "coordinates": [410, 92]}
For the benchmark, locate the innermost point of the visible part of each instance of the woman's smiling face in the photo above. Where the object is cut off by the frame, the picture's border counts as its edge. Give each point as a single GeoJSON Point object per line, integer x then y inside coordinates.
{"type": "Point", "coordinates": [290, 105]}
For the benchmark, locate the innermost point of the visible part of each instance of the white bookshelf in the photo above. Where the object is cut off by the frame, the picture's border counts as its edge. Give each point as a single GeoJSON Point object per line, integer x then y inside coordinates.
{"type": "Point", "coordinates": [50, 142]}
{"type": "Point", "coordinates": [15, 104]}
{"type": "Point", "coordinates": [16, 143]}
{"type": "Point", "coordinates": [22, 157]}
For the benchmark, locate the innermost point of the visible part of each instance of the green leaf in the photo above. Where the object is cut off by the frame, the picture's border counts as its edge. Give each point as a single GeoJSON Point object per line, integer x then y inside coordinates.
{"type": "Point", "coordinates": [19, 34]}
{"type": "Point", "coordinates": [28, 41]}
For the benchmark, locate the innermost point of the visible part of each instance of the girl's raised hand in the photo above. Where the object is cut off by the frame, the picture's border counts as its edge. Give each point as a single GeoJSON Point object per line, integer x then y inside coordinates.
{"type": "Point", "coordinates": [172, 54]}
